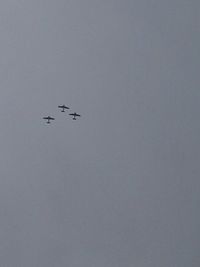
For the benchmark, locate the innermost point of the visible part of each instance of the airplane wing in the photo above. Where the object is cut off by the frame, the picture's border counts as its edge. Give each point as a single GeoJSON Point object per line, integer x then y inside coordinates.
{"type": "Point", "coordinates": [63, 107]}
{"type": "Point", "coordinates": [45, 118]}
{"type": "Point", "coordinates": [51, 119]}
{"type": "Point", "coordinates": [75, 114]}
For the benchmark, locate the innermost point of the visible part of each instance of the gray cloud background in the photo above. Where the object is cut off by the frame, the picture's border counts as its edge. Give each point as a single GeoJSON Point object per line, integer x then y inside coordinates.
{"type": "Point", "coordinates": [120, 186]}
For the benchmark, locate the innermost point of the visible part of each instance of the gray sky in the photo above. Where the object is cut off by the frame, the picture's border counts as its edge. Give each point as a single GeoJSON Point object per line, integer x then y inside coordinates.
{"type": "Point", "coordinates": [120, 186]}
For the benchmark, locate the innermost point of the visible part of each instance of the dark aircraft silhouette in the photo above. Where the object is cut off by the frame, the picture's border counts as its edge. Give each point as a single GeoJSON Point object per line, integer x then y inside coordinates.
{"type": "Point", "coordinates": [74, 115]}
{"type": "Point", "coordinates": [48, 119]}
{"type": "Point", "coordinates": [63, 107]}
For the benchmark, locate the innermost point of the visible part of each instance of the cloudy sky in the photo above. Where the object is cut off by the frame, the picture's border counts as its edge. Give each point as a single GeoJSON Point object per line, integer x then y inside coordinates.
{"type": "Point", "coordinates": [120, 186]}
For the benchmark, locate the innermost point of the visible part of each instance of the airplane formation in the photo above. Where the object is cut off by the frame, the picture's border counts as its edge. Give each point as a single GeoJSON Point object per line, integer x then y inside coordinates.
{"type": "Point", "coordinates": [62, 108]}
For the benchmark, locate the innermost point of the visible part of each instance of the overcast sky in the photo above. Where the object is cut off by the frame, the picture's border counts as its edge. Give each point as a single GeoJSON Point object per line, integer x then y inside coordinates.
{"type": "Point", "coordinates": [120, 186]}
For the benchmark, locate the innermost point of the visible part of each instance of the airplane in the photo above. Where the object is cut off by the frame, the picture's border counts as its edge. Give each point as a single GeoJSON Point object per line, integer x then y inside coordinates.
{"type": "Point", "coordinates": [48, 119]}
{"type": "Point", "coordinates": [75, 115]}
{"type": "Point", "coordinates": [63, 108]}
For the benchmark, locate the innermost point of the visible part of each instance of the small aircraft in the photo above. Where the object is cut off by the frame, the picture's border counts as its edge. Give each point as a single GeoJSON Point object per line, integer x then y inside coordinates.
{"type": "Point", "coordinates": [63, 107]}
{"type": "Point", "coordinates": [74, 115]}
{"type": "Point", "coordinates": [48, 119]}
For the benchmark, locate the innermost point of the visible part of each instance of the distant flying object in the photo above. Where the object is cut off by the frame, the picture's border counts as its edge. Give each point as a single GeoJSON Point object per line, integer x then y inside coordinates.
{"type": "Point", "coordinates": [63, 107]}
{"type": "Point", "coordinates": [74, 115]}
{"type": "Point", "coordinates": [48, 119]}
